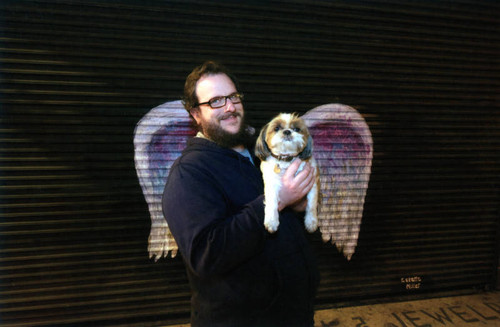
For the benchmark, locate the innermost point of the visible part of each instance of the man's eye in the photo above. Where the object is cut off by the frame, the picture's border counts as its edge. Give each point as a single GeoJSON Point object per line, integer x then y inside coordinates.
{"type": "Point", "coordinates": [217, 101]}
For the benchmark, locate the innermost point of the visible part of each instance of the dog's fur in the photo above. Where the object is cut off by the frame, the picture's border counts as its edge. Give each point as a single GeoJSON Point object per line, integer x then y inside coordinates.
{"type": "Point", "coordinates": [283, 139]}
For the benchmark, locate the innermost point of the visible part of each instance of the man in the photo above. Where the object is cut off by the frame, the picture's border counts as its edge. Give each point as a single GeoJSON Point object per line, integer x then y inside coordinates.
{"type": "Point", "coordinates": [240, 274]}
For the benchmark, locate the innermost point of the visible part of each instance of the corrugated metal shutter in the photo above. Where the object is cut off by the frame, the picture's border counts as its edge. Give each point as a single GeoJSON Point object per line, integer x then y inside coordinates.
{"type": "Point", "coordinates": [78, 75]}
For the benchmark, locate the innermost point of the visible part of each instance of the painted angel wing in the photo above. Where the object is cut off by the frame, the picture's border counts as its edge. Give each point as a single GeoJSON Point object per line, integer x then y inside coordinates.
{"type": "Point", "coordinates": [343, 149]}
{"type": "Point", "coordinates": [159, 138]}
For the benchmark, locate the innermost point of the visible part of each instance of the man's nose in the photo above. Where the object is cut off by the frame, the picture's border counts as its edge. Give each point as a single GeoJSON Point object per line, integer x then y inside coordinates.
{"type": "Point", "coordinates": [230, 106]}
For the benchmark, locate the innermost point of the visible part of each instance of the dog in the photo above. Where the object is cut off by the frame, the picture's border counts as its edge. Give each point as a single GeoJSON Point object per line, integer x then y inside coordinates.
{"type": "Point", "coordinates": [285, 138]}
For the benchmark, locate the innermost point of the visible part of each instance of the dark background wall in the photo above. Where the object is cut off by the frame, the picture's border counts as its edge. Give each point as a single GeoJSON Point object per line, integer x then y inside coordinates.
{"type": "Point", "coordinates": [76, 76]}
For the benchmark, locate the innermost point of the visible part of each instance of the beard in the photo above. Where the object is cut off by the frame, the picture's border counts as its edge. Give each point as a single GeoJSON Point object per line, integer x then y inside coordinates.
{"type": "Point", "coordinates": [216, 133]}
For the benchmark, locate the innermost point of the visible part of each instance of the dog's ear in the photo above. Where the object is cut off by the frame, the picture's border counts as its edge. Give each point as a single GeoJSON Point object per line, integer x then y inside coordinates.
{"type": "Point", "coordinates": [308, 150]}
{"type": "Point", "coordinates": [261, 149]}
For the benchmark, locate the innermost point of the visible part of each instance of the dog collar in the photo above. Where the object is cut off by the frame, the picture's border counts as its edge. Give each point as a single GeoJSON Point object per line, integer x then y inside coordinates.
{"type": "Point", "coordinates": [285, 157]}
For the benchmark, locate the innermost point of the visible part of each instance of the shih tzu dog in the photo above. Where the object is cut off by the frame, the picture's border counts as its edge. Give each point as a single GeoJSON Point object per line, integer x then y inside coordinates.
{"type": "Point", "coordinates": [283, 139]}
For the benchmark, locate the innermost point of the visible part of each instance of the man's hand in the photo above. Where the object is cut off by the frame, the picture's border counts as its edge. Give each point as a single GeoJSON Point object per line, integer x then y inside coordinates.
{"type": "Point", "coordinates": [296, 186]}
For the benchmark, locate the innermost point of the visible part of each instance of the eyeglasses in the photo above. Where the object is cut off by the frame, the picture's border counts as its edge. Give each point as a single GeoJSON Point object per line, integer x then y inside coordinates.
{"type": "Point", "coordinates": [219, 102]}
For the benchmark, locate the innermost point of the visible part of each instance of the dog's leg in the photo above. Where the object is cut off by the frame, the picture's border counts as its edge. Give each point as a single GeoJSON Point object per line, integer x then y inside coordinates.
{"type": "Point", "coordinates": [272, 185]}
{"type": "Point", "coordinates": [271, 217]}
{"type": "Point", "coordinates": [311, 216]}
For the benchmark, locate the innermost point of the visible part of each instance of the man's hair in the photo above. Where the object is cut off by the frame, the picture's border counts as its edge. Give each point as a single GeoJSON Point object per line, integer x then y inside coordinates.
{"type": "Point", "coordinates": [210, 67]}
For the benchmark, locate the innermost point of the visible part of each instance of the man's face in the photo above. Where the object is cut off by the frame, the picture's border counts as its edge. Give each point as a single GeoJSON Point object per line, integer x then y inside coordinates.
{"type": "Point", "coordinates": [226, 120]}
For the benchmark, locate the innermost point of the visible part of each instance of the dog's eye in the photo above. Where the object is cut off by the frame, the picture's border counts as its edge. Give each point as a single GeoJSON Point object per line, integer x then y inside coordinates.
{"type": "Point", "coordinates": [296, 129]}
{"type": "Point", "coordinates": [277, 128]}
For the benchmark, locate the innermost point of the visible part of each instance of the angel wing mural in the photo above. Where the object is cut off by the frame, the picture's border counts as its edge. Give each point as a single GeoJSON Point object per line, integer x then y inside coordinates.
{"type": "Point", "coordinates": [159, 138]}
{"type": "Point", "coordinates": [343, 149]}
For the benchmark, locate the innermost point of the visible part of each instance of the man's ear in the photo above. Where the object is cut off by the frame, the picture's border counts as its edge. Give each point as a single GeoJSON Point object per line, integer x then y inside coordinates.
{"type": "Point", "coordinates": [195, 113]}
{"type": "Point", "coordinates": [307, 152]}
{"type": "Point", "coordinates": [261, 149]}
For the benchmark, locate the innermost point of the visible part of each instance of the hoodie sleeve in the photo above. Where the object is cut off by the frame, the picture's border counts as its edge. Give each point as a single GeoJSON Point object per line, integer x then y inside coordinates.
{"type": "Point", "coordinates": [211, 239]}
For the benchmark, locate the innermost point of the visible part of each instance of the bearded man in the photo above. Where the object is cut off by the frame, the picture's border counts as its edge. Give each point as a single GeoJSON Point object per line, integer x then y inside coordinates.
{"type": "Point", "coordinates": [240, 275]}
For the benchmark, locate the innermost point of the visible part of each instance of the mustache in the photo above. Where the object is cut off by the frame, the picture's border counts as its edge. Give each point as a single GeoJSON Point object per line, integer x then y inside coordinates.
{"type": "Point", "coordinates": [229, 114]}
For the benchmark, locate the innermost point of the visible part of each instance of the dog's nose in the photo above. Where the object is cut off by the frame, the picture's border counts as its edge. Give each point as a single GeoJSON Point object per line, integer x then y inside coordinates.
{"type": "Point", "coordinates": [287, 132]}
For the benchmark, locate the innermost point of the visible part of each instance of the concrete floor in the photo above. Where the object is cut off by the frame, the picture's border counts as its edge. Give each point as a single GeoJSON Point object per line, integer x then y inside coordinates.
{"type": "Point", "coordinates": [461, 311]}
{"type": "Point", "coordinates": [467, 311]}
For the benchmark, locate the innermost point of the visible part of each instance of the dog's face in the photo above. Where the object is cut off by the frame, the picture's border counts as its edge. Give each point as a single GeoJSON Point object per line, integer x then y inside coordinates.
{"type": "Point", "coordinates": [285, 135]}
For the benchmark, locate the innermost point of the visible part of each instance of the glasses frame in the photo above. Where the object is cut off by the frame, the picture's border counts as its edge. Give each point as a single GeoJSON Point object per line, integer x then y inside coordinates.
{"type": "Point", "coordinates": [235, 94]}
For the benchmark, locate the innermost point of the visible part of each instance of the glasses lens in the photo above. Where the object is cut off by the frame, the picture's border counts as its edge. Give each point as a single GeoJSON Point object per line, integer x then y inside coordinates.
{"type": "Point", "coordinates": [235, 98]}
{"type": "Point", "coordinates": [217, 102]}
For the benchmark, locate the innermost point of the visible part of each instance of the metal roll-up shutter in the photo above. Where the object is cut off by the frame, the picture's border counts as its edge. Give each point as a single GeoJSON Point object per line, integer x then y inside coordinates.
{"type": "Point", "coordinates": [76, 76]}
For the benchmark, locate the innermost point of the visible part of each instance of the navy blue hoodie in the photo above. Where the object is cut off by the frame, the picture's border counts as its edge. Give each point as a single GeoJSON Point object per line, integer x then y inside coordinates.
{"type": "Point", "coordinates": [240, 275]}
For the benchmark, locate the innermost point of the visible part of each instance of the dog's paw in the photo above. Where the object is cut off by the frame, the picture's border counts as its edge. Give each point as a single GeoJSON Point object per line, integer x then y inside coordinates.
{"type": "Point", "coordinates": [311, 222]}
{"type": "Point", "coordinates": [271, 225]}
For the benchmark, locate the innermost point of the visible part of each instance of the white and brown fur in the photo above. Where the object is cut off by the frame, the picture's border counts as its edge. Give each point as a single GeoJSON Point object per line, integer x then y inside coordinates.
{"type": "Point", "coordinates": [281, 141]}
